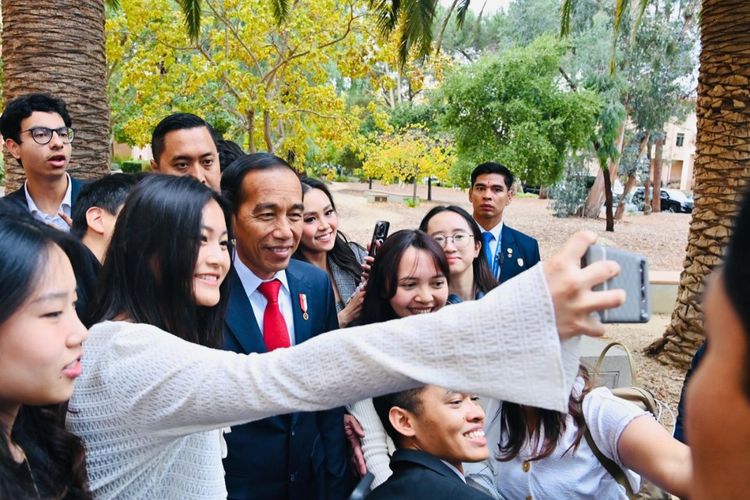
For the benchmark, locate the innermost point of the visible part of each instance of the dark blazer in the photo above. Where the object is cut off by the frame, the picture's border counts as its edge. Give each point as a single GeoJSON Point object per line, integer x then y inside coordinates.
{"type": "Point", "coordinates": [18, 197]}
{"type": "Point", "coordinates": [419, 475]}
{"type": "Point", "coordinates": [295, 456]}
{"type": "Point", "coordinates": [519, 252]}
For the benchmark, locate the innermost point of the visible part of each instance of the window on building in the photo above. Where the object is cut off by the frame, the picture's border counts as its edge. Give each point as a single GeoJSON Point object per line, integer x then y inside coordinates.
{"type": "Point", "coordinates": [680, 140]}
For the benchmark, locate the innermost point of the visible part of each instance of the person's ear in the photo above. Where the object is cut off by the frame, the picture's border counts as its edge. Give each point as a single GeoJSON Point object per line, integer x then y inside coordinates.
{"type": "Point", "coordinates": [402, 420]}
{"type": "Point", "coordinates": [94, 220]}
{"type": "Point", "coordinates": [510, 195]}
{"type": "Point", "coordinates": [477, 248]}
{"type": "Point", "coordinates": [154, 166]}
{"type": "Point", "coordinates": [14, 148]}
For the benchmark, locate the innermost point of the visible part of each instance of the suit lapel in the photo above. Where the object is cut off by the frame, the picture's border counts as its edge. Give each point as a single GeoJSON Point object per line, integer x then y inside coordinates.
{"type": "Point", "coordinates": [509, 254]}
{"type": "Point", "coordinates": [240, 320]}
{"type": "Point", "coordinates": [298, 286]}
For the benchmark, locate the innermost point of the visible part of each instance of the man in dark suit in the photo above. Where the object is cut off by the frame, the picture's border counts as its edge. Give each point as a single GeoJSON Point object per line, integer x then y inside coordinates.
{"type": "Point", "coordinates": [508, 252]}
{"type": "Point", "coordinates": [38, 134]}
{"type": "Point", "coordinates": [435, 430]}
{"type": "Point", "coordinates": [275, 303]}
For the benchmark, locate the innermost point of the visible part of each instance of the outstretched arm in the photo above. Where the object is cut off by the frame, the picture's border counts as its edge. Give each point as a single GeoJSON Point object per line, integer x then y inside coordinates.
{"type": "Point", "coordinates": [648, 449]}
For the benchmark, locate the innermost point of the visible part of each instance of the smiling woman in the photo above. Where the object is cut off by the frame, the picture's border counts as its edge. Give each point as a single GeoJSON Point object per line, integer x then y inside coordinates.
{"type": "Point", "coordinates": [40, 357]}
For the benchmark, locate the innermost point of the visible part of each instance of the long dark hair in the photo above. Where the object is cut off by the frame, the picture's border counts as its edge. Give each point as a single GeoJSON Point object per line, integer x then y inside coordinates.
{"type": "Point", "coordinates": [383, 281]}
{"type": "Point", "coordinates": [484, 281]}
{"type": "Point", "coordinates": [148, 273]}
{"type": "Point", "coordinates": [549, 425]}
{"type": "Point", "coordinates": [55, 455]}
{"type": "Point", "coordinates": [341, 254]}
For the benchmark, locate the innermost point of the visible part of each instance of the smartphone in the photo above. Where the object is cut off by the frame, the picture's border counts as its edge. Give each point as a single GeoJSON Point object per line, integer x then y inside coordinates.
{"type": "Point", "coordinates": [633, 278]}
{"type": "Point", "coordinates": [379, 234]}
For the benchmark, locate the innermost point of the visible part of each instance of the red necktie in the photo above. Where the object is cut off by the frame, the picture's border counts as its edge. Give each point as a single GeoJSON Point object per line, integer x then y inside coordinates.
{"type": "Point", "coordinates": [275, 333]}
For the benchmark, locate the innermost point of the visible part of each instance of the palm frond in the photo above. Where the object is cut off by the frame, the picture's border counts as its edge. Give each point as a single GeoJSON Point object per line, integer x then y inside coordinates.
{"type": "Point", "coordinates": [566, 8]}
{"type": "Point", "coordinates": [416, 28]}
{"type": "Point", "coordinates": [461, 10]}
{"type": "Point", "coordinates": [387, 12]}
{"type": "Point", "coordinates": [191, 9]}
{"type": "Point", "coordinates": [637, 22]}
{"type": "Point", "coordinates": [112, 4]}
{"type": "Point", "coordinates": [280, 10]}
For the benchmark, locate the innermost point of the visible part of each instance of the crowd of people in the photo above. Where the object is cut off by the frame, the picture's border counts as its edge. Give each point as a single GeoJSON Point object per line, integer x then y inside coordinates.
{"type": "Point", "coordinates": [206, 331]}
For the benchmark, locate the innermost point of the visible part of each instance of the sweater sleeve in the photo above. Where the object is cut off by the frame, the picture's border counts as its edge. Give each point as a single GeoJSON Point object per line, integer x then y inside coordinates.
{"type": "Point", "coordinates": [376, 443]}
{"type": "Point", "coordinates": [173, 387]}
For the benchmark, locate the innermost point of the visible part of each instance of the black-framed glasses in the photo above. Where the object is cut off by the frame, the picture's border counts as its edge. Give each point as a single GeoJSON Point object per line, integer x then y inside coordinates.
{"type": "Point", "coordinates": [42, 135]}
{"type": "Point", "coordinates": [460, 239]}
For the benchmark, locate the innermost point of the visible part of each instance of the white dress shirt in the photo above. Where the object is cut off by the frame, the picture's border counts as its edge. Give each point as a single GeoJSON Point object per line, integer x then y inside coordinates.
{"type": "Point", "coordinates": [251, 282]}
{"type": "Point", "coordinates": [52, 220]}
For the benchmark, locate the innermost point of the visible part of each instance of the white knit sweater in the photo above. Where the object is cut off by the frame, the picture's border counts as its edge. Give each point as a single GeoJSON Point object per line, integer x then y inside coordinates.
{"type": "Point", "coordinates": [149, 406]}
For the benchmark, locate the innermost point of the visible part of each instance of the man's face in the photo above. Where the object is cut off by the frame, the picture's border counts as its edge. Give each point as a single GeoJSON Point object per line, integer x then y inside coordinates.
{"type": "Point", "coordinates": [717, 408]}
{"type": "Point", "coordinates": [268, 222]}
{"type": "Point", "coordinates": [49, 160]}
{"type": "Point", "coordinates": [489, 195]}
{"type": "Point", "coordinates": [450, 426]}
{"type": "Point", "coordinates": [190, 151]}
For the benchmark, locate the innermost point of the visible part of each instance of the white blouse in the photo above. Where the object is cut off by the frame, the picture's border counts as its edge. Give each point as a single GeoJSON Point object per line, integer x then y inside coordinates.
{"type": "Point", "coordinates": [149, 406]}
{"type": "Point", "coordinates": [577, 474]}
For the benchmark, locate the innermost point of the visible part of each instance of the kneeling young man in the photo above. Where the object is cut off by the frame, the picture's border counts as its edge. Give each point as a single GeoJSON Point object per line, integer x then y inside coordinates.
{"type": "Point", "coordinates": [435, 430]}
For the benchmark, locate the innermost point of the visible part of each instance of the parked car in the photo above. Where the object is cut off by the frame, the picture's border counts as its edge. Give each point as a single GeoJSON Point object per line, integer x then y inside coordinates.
{"type": "Point", "coordinates": [672, 200]}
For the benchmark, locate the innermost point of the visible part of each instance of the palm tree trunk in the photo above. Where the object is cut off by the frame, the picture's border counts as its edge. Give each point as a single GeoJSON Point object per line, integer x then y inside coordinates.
{"type": "Point", "coordinates": [58, 47]}
{"type": "Point", "coordinates": [722, 166]}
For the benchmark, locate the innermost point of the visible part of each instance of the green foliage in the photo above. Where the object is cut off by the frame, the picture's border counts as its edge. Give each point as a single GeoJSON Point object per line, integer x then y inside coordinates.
{"type": "Point", "coordinates": [569, 194]}
{"type": "Point", "coordinates": [412, 203]}
{"type": "Point", "coordinates": [134, 166]}
{"type": "Point", "coordinates": [513, 109]}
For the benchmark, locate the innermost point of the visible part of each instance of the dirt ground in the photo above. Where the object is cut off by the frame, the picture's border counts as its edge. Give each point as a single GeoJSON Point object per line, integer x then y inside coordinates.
{"type": "Point", "coordinates": [662, 238]}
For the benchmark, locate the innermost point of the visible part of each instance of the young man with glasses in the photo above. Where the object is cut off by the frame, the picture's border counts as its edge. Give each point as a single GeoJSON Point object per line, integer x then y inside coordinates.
{"type": "Point", "coordinates": [37, 131]}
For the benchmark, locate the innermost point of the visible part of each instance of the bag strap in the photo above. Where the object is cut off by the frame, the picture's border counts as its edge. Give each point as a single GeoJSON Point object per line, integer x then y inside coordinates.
{"type": "Point", "coordinates": [600, 360]}
{"type": "Point", "coordinates": [614, 470]}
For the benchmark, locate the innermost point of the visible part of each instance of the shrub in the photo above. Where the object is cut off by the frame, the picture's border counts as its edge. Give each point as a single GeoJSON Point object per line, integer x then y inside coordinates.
{"type": "Point", "coordinates": [133, 166]}
{"type": "Point", "coordinates": [569, 194]}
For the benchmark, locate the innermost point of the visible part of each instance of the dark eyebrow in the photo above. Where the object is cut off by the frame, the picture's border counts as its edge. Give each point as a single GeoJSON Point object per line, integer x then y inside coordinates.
{"type": "Point", "coordinates": [260, 207]}
{"type": "Point", "coordinates": [298, 206]}
{"type": "Point", "coordinates": [50, 296]}
{"type": "Point", "coordinates": [211, 230]}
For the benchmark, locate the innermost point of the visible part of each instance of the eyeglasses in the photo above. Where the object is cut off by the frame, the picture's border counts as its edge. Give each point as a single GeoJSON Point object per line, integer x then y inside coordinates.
{"type": "Point", "coordinates": [459, 239]}
{"type": "Point", "coordinates": [42, 135]}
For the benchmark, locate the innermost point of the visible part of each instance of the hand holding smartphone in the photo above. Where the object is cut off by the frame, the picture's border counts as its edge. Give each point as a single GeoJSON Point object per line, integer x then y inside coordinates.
{"type": "Point", "coordinates": [379, 234]}
{"type": "Point", "coordinates": [633, 278]}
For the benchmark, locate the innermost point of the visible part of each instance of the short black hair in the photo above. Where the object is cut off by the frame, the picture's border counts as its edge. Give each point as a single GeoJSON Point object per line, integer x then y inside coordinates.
{"type": "Point", "coordinates": [490, 167]}
{"type": "Point", "coordinates": [409, 400]}
{"type": "Point", "coordinates": [228, 152]}
{"type": "Point", "coordinates": [177, 121]}
{"type": "Point", "coordinates": [232, 177]}
{"type": "Point", "coordinates": [21, 108]}
{"type": "Point", "coordinates": [108, 193]}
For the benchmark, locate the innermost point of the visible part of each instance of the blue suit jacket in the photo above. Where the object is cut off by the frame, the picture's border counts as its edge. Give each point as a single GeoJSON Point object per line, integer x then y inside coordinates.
{"type": "Point", "coordinates": [295, 456]}
{"type": "Point", "coordinates": [418, 475]}
{"type": "Point", "coordinates": [519, 252]}
{"type": "Point", "coordinates": [18, 197]}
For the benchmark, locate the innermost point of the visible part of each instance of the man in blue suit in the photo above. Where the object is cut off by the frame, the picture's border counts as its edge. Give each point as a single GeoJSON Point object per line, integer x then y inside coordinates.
{"type": "Point", "coordinates": [508, 252]}
{"type": "Point", "coordinates": [275, 303]}
{"type": "Point", "coordinates": [37, 132]}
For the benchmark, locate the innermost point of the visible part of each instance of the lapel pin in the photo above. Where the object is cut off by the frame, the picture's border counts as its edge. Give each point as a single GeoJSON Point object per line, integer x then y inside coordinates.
{"type": "Point", "coordinates": [520, 262]}
{"type": "Point", "coordinates": [303, 306]}
{"type": "Point", "coordinates": [510, 252]}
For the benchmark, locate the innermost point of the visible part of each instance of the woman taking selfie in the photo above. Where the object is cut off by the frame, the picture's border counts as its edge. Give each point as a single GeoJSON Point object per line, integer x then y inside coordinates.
{"type": "Point", "coordinates": [155, 392]}
{"type": "Point", "coordinates": [461, 239]}
{"type": "Point", "coordinates": [40, 358]}
{"type": "Point", "coordinates": [324, 246]}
